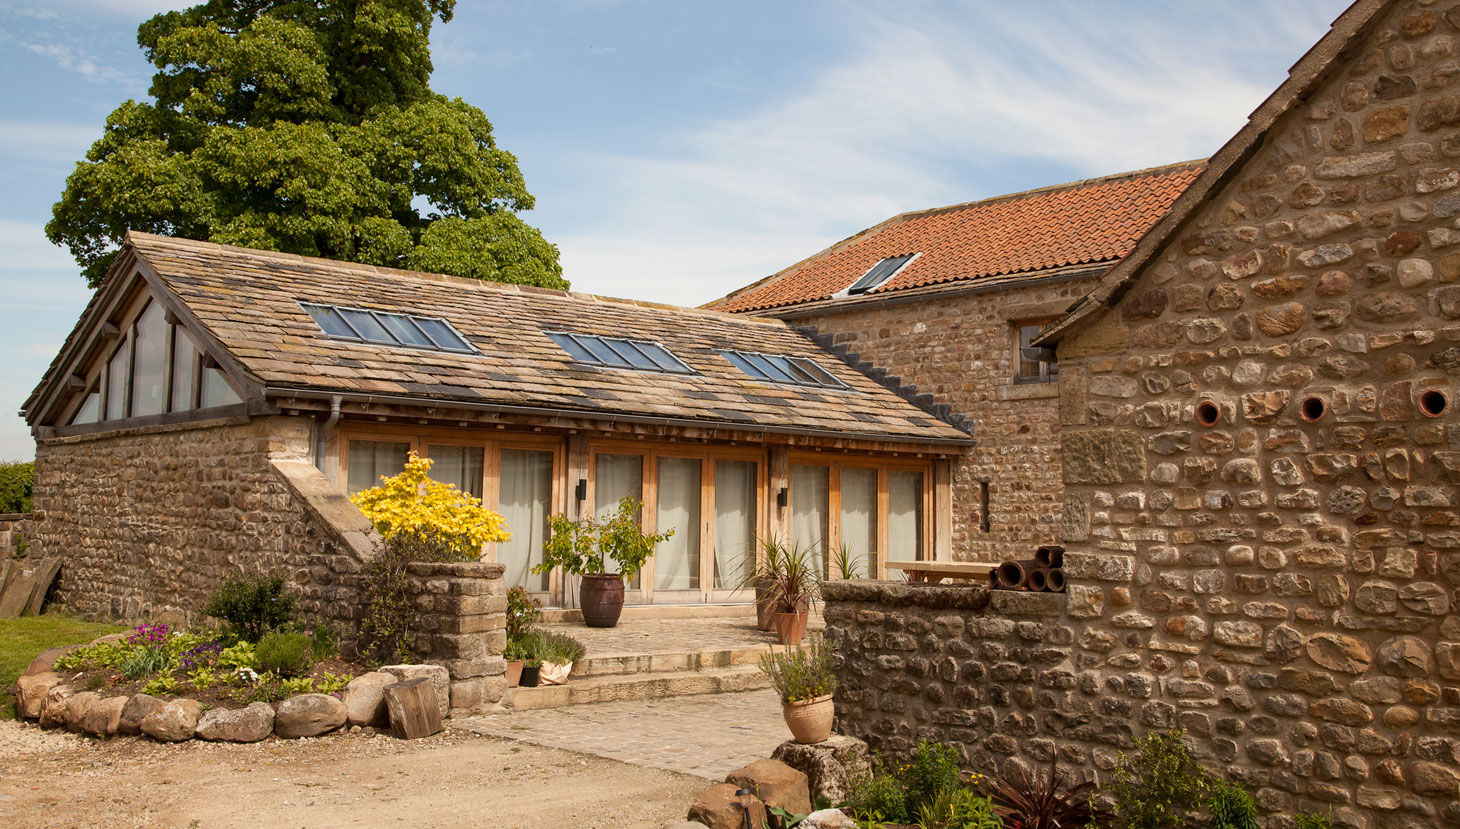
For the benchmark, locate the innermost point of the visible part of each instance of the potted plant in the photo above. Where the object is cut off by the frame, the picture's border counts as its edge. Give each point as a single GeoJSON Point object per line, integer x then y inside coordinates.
{"type": "Point", "coordinates": [559, 652]}
{"type": "Point", "coordinates": [790, 584]}
{"type": "Point", "coordinates": [522, 612]}
{"type": "Point", "coordinates": [531, 670]}
{"type": "Point", "coordinates": [804, 679]}
{"type": "Point", "coordinates": [585, 547]}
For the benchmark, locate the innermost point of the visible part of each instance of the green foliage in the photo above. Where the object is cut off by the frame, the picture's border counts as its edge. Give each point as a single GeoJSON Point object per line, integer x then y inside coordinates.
{"type": "Point", "coordinates": [956, 808]}
{"type": "Point", "coordinates": [1231, 807]}
{"type": "Point", "coordinates": [933, 773]}
{"type": "Point", "coordinates": [326, 641]}
{"type": "Point", "coordinates": [252, 604]}
{"type": "Point", "coordinates": [786, 575]}
{"type": "Point", "coordinates": [161, 685]}
{"type": "Point", "coordinates": [333, 683]}
{"type": "Point", "coordinates": [847, 566]}
{"type": "Point", "coordinates": [1159, 786]}
{"type": "Point", "coordinates": [296, 685]}
{"type": "Point", "coordinates": [803, 673]}
{"type": "Point", "coordinates": [1311, 820]}
{"type": "Point", "coordinates": [522, 612]}
{"type": "Point", "coordinates": [928, 788]}
{"type": "Point", "coordinates": [203, 678]}
{"type": "Point", "coordinates": [21, 639]}
{"type": "Point", "coordinates": [538, 646]}
{"type": "Point", "coordinates": [388, 629]}
{"type": "Point", "coordinates": [586, 545]}
{"type": "Point", "coordinates": [879, 796]}
{"type": "Point", "coordinates": [142, 662]}
{"type": "Point", "coordinates": [239, 655]}
{"type": "Point", "coordinates": [285, 654]}
{"type": "Point", "coordinates": [17, 479]}
{"type": "Point", "coordinates": [306, 127]}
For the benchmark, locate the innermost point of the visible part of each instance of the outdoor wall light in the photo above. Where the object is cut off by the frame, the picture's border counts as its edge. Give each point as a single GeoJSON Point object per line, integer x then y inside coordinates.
{"type": "Point", "coordinates": [581, 490]}
{"type": "Point", "coordinates": [746, 797]}
{"type": "Point", "coordinates": [781, 497]}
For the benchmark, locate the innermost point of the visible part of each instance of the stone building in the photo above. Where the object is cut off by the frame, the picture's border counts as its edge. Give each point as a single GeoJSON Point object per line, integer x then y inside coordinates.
{"type": "Point", "coordinates": [942, 299]}
{"type": "Point", "coordinates": [215, 405]}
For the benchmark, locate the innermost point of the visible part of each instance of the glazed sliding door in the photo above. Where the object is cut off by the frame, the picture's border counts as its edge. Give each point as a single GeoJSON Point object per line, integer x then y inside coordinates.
{"type": "Point", "coordinates": [461, 466]}
{"type": "Point", "coordinates": [616, 477]}
{"type": "Point", "coordinates": [905, 518]}
{"type": "Point", "coordinates": [525, 500]}
{"type": "Point", "coordinates": [810, 510]}
{"type": "Point", "coordinates": [737, 485]}
{"type": "Point", "coordinates": [677, 558]}
{"type": "Point", "coordinates": [859, 522]}
{"type": "Point", "coordinates": [371, 460]}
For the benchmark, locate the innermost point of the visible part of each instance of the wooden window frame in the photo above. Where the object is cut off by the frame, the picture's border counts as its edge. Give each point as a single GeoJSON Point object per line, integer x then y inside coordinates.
{"type": "Point", "coordinates": [834, 501]}
{"type": "Point", "coordinates": [1048, 371]}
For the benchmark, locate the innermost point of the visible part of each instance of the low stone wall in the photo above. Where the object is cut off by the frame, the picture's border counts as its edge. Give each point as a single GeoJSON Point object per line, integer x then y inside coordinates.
{"type": "Point", "coordinates": [462, 623]}
{"type": "Point", "coordinates": [16, 540]}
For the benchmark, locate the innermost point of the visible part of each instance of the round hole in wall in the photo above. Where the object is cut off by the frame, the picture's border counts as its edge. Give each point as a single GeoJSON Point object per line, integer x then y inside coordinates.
{"type": "Point", "coordinates": [1207, 413]}
{"type": "Point", "coordinates": [1433, 402]}
{"type": "Point", "coordinates": [1313, 409]}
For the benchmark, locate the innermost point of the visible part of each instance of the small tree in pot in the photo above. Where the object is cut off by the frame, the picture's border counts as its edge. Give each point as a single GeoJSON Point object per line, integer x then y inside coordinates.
{"type": "Point", "coordinates": [584, 548]}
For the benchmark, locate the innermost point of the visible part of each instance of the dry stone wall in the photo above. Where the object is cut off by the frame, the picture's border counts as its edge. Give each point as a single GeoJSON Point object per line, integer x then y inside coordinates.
{"type": "Point", "coordinates": [1261, 455]}
{"type": "Point", "coordinates": [16, 540]}
{"type": "Point", "coordinates": [961, 349]}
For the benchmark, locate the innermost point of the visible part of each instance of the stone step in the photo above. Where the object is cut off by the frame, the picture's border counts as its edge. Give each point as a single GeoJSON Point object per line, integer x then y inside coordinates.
{"type": "Point", "coordinates": [552, 615]}
{"type": "Point", "coordinates": [639, 686]}
{"type": "Point", "coordinates": [618, 664]}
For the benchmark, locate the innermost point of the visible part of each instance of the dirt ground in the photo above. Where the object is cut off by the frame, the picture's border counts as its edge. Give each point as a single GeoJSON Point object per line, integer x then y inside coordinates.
{"type": "Point", "coordinates": [452, 779]}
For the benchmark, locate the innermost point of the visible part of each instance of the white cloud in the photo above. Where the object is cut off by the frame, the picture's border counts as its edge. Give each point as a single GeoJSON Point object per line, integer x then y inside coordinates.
{"type": "Point", "coordinates": [46, 141]}
{"type": "Point", "coordinates": [139, 9]}
{"type": "Point", "coordinates": [74, 59]}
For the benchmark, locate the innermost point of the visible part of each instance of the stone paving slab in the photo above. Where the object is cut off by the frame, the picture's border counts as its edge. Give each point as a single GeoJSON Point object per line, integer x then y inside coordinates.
{"type": "Point", "coordinates": [706, 736]}
{"type": "Point", "coordinates": [658, 636]}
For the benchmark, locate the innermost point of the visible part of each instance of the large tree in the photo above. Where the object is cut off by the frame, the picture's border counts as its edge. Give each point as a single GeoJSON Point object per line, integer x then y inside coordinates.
{"type": "Point", "coordinates": [306, 127]}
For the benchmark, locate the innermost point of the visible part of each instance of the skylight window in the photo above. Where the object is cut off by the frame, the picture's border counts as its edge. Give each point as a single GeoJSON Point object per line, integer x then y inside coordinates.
{"type": "Point", "coordinates": [880, 273]}
{"type": "Point", "coordinates": [382, 328]}
{"type": "Point", "coordinates": [774, 368]}
{"type": "Point", "coordinates": [610, 352]}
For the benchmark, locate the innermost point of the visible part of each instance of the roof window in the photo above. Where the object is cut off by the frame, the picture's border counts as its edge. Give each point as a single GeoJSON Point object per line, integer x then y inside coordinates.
{"type": "Point", "coordinates": [639, 355]}
{"type": "Point", "coordinates": [774, 368]}
{"type": "Point", "coordinates": [880, 273]}
{"type": "Point", "coordinates": [383, 328]}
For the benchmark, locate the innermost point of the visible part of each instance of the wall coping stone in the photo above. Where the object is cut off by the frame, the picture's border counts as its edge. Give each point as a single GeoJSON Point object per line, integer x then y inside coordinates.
{"type": "Point", "coordinates": [1023, 603]}
{"type": "Point", "coordinates": [156, 429]}
{"type": "Point", "coordinates": [897, 593]}
{"type": "Point", "coordinates": [14, 516]}
{"type": "Point", "coordinates": [463, 569]}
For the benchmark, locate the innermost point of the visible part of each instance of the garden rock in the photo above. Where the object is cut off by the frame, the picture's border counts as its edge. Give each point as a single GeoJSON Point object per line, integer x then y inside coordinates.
{"type": "Point", "coordinates": [45, 662]}
{"type": "Point", "coordinates": [53, 707]}
{"type": "Point", "coordinates": [829, 766]}
{"type": "Point", "coordinates": [828, 819]}
{"type": "Point", "coordinates": [718, 808]}
{"type": "Point", "coordinates": [238, 725]}
{"type": "Point", "coordinates": [136, 710]}
{"type": "Point", "coordinates": [78, 708]}
{"type": "Point", "coordinates": [440, 680]}
{"type": "Point", "coordinates": [31, 693]}
{"type": "Point", "coordinates": [364, 699]}
{"type": "Point", "coordinates": [105, 717]}
{"type": "Point", "coordinates": [681, 824]}
{"type": "Point", "coordinates": [308, 715]}
{"type": "Point", "coordinates": [111, 637]}
{"type": "Point", "coordinates": [174, 722]}
{"type": "Point", "coordinates": [775, 783]}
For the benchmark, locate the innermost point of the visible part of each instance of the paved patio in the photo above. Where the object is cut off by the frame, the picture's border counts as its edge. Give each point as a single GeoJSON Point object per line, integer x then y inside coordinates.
{"type": "Point", "coordinates": [673, 635]}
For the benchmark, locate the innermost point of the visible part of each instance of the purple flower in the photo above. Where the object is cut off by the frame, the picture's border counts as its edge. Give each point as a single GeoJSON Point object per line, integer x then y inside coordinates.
{"type": "Point", "coordinates": [149, 635]}
{"type": "Point", "coordinates": [203, 654]}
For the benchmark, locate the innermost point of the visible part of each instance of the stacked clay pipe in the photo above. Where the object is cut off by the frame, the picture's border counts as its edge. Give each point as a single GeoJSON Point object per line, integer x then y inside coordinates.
{"type": "Point", "coordinates": [1042, 574]}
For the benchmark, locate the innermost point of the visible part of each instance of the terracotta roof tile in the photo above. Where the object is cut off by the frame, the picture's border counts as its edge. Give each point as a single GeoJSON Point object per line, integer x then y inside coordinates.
{"type": "Point", "coordinates": [1082, 223]}
{"type": "Point", "coordinates": [249, 301]}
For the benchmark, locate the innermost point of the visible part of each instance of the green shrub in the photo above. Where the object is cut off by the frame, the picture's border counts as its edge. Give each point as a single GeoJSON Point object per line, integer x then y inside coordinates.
{"type": "Point", "coordinates": [253, 604]}
{"type": "Point", "coordinates": [144, 661]}
{"type": "Point", "coordinates": [522, 612]}
{"type": "Point", "coordinates": [800, 674]}
{"type": "Point", "coordinates": [932, 773]}
{"type": "Point", "coordinates": [1159, 786]}
{"type": "Point", "coordinates": [879, 796]}
{"type": "Point", "coordinates": [545, 646]}
{"type": "Point", "coordinates": [326, 641]}
{"type": "Point", "coordinates": [17, 480]}
{"type": "Point", "coordinates": [958, 809]}
{"type": "Point", "coordinates": [1231, 807]}
{"type": "Point", "coordinates": [285, 654]}
{"type": "Point", "coordinates": [1311, 820]}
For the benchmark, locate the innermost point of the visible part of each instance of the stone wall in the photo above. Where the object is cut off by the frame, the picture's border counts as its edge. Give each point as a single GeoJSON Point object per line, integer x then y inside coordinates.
{"type": "Point", "coordinates": [462, 623]}
{"type": "Point", "coordinates": [962, 350]}
{"type": "Point", "coordinates": [16, 540]}
{"type": "Point", "coordinates": [1263, 517]}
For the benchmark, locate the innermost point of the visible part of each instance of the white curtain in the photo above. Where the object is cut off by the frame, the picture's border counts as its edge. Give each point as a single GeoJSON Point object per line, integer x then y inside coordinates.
{"type": "Point", "coordinates": [614, 478]}
{"type": "Point", "coordinates": [677, 559]}
{"type": "Point", "coordinates": [735, 491]}
{"type": "Point", "coordinates": [460, 466]}
{"type": "Point", "coordinates": [525, 501]}
{"type": "Point", "coordinates": [371, 459]}
{"type": "Point", "coordinates": [808, 502]}
{"type": "Point", "coordinates": [905, 514]}
{"type": "Point", "coordinates": [859, 519]}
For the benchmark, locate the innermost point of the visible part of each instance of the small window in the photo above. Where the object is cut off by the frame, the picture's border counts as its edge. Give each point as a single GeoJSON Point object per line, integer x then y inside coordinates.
{"type": "Point", "coordinates": [615, 353]}
{"type": "Point", "coordinates": [90, 411]}
{"type": "Point", "coordinates": [775, 368]}
{"type": "Point", "coordinates": [1032, 370]}
{"type": "Point", "coordinates": [384, 328]}
{"type": "Point", "coordinates": [880, 273]}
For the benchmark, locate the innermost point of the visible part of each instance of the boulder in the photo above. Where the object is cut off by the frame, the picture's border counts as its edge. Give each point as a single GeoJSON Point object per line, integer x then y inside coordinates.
{"type": "Point", "coordinates": [308, 715]}
{"type": "Point", "coordinates": [718, 808]}
{"type": "Point", "coordinates": [828, 819]}
{"type": "Point", "coordinates": [237, 725]}
{"type": "Point", "coordinates": [440, 680]}
{"type": "Point", "coordinates": [105, 717]}
{"type": "Point", "coordinates": [31, 692]}
{"type": "Point", "coordinates": [776, 784]}
{"type": "Point", "coordinates": [112, 637]}
{"type": "Point", "coordinates": [174, 721]}
{"type": "Point", "coordinates": [136, 710]}
{"type": "Point", "coordinates": [78, 708]}
{"type": "Point", "coordinates": [829, 766]}
{"type": "Point", "coordinates": [364, 699]}
{"type": "Point", "coordinates": [46, 660]}
{"type": "Point", "coordinates": [681, 824]}
{"type": "Point", "coordinates": [53, 707]}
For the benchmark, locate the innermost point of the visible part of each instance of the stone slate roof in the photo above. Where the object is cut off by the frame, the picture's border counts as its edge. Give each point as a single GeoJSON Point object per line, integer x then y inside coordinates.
{"type": "Point", "coordinates": [249, 301]}
{"type": "Point", "coordinates": [1091, 222]}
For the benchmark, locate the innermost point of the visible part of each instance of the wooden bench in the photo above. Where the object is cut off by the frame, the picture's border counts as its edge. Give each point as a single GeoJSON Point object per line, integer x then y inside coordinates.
{"type": "Point", "coordinates": [933, 572]}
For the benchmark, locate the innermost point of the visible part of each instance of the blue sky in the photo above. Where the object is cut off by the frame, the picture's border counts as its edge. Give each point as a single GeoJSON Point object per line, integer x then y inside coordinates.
{"type": "Point", "coordinates": [681, 149]}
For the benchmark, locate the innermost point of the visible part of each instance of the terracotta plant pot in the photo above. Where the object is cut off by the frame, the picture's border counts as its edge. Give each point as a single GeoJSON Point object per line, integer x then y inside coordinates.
{"type": "Point", "coordinates": [602, 599]}
{"type": "Point", "coordinates": [765, 609]}
{"type": "Point", "coordinates": [790, 627]}
{"type": "Point", "coordinates": [514, 673]}
{"type": "Point", "coordinates": [529, 676]}
{"type": "Point", "coordinates": [809, 720]}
